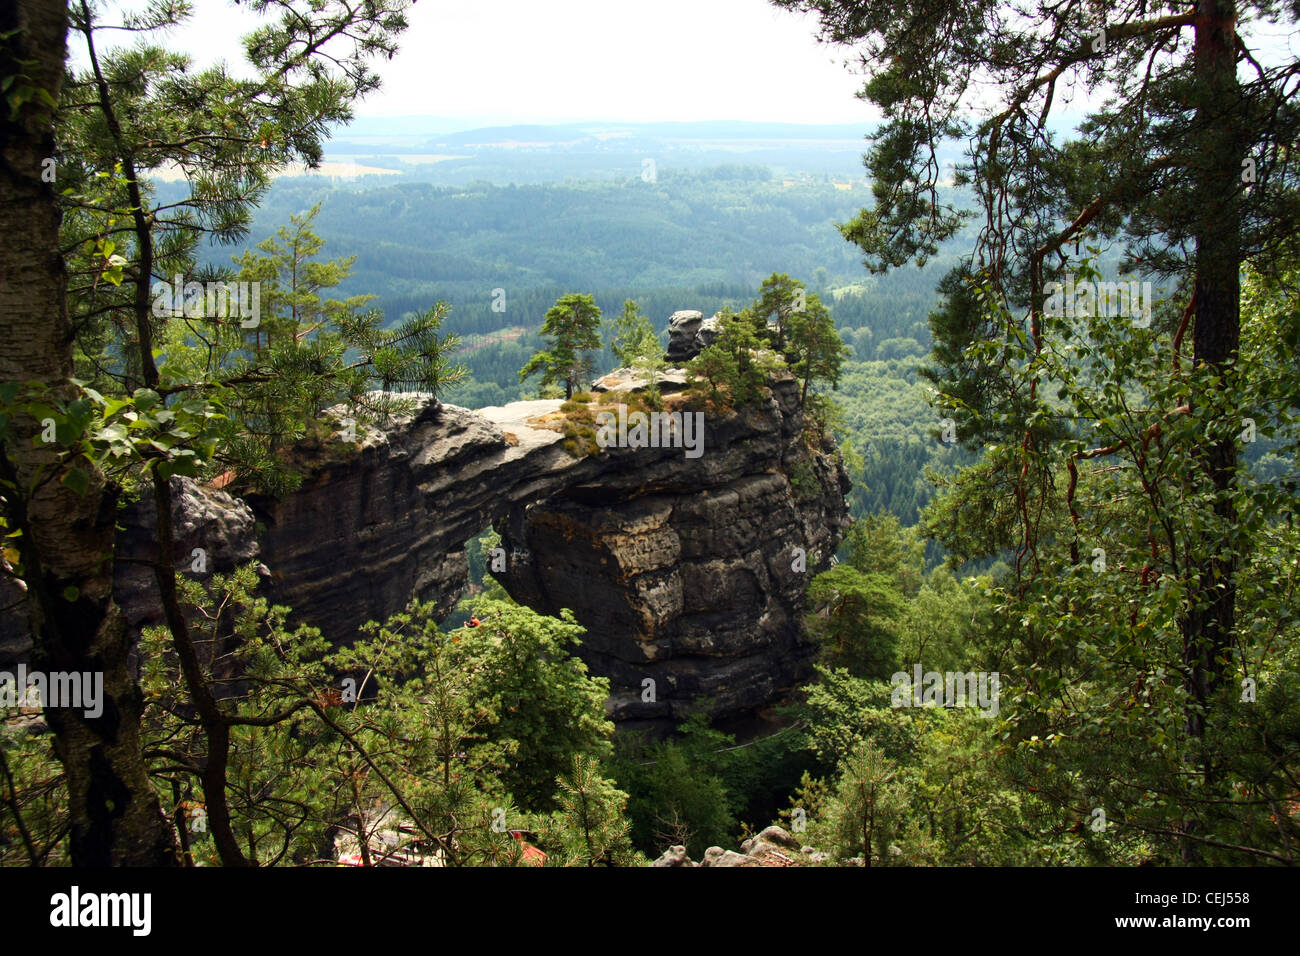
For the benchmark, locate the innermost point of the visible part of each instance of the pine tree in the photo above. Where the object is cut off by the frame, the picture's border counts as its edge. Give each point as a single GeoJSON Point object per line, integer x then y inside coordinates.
{"type": "Point", "coordinates": [628, 330]}
{"type": "Point", "coordinates": [572, 325]}
{"type": "Point", "coordinates": [1185, 166]}
{"type": "Point", "coordinates": [869, 805]}
{"type": "Point", "coordinates": [127, 111]}
{"type": "Point", "coordinates": [590, 825]}
{"type": "Point", "coordinates": [735, 363]}
{"type": "Point", "coordinates": [813, 347]}
{"type": "Point", "coordinates": [780, 298]}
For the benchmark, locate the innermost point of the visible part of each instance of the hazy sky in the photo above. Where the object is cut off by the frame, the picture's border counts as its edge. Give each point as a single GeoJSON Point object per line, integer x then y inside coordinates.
{"type": "Point", "coordinates": [632, 60]}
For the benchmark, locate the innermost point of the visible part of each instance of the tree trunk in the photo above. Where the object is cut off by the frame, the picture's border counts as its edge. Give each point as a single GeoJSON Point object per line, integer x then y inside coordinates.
{"type": "Point", "coordinates": [67, 542]}
{"type": "Point", "coordinates": [1208, 629]}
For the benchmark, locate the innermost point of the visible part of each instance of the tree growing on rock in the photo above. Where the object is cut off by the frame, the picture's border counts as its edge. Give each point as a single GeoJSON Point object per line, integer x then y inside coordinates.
{"type": "Point", "coordinates": [813, 347]}
{"type": "Point", "coordinates": [572, 327]}
{"type": "Point", "coordinates": [628, 331]}
{"type": "Point", "coordinates": [780, 299]}
{"type": "Point", "coordinates": [636, 345]}
{"type": "Point", "coordinates": [735, 367]}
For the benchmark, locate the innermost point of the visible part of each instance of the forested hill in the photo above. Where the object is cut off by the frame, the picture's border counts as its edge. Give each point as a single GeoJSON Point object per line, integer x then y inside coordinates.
{"type": "Point", "coordinates": [447, 153]}
{"type": "Point", "coordinates": [709, 230]}
{"type": "Point", "coordinates": [700, 238]}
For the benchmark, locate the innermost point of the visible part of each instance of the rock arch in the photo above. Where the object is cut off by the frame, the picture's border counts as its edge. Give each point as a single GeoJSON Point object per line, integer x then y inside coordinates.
{"type": "Point", "coordinates": [682, 569]}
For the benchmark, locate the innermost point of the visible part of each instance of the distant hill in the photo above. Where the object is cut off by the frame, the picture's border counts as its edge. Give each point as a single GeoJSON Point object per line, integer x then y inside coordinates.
{"type": "Point", "coordinates": [426, 149]}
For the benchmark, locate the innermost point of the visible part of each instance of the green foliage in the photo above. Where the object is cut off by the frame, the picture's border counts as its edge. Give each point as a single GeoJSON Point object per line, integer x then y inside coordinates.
{"type": "Point", "coordinates": [1098, 617]}
{"type": "Point", "coordinates": [20, 93]}
{"type": "Point", "coordinates": [967, 370]}
{"type": "Point", "coordinates": [33, 799]}
{"type": "Point", "coordinates": [855, 619]}
{"type": "Point", "coordinates": [868, 807]}
{"type": "Point", "coordinates": [676, 796]}
{"type": "Point", "coordinates": [1094, 438]}
{"type": "Point", "coordinates": [736, 370]}
{"type": "Point", "coordinates": [880, 544]}
{"type": "Point", "coordinates": [572, 329]}
{"type": "Point", "coordinates": [949, 623]}
{"type": "Point", "coordinates": [797, 326]}
{"type": "Point", "coordinates": [841, 711]}
{"type": "Point", "coordinates": [414, 742]}
{"type": "Point", "coordinates": [943, 788]}
{"type": "Point", "coordinates": [418, 242]}
{"type": "Point", "coordinates": [888, 433]}
{"type": "Point", "coordinates": [478, 551]}
{"type": "Point", "coordinates": [123, 438]}
{"type": "Point", "coordinates": [813, 347]}
{"type": "Point", "coordinates": [305, 354]}
{"type": "Point", "coordinates": [1117, 479]}
{"type": "Point", "coordinates": [628, 332]}
{"type": "Point", "coordinates": [548, 708]}
{"type": "Point", "coordinates": [772, 314]}
{"type": "Point", "coordinates": [649, 362]}
{"type": "Point", "coordinates": [589, 829]}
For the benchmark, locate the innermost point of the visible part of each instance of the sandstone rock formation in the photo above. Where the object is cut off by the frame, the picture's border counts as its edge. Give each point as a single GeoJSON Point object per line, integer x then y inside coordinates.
{"type": "Point", "coordinates": [688, 333]}
{"type": "Point", "coordinates": [772, 847]}
{"type": "Point", "coordinates": [683, 570]}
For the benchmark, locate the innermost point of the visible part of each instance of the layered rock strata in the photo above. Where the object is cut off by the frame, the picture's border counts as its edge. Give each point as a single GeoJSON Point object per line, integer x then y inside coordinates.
{"type": "Point", "coordinates": [686, 571]}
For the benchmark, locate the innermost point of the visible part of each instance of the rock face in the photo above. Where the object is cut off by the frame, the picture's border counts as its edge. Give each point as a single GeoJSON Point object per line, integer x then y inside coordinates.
{"type": "Point", "coordinates": [685, 570]}
{"type": "Point", "coordinates": [687, 573]}
{"type": "Point", "coordinates": [625, 379]}
{"type": "Point", "coordinates": [689, 332]}
{"type": "Point", "coordinates": [212, 533]}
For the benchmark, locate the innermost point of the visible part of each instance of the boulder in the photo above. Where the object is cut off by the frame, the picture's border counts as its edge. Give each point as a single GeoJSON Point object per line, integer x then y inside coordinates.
{"type": "Point", "coordinates": [717, 856]}
{"type": "Point", "coordinates": [689, 333]}
{"type": "Point", "coordinates": [674, 856]}
{"type": "Point", "coordinates": [682, 329]}
{"type": "Point", "coordinates": [772, 836]}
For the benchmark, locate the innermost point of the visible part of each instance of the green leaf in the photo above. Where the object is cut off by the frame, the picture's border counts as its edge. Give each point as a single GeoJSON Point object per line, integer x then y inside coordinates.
{"type": "Point", "coordinates": [178, 466]}
{"type": "Point", "coordinates": [113, 433]}
{"type": "Point", "coordinates": [76, 479]}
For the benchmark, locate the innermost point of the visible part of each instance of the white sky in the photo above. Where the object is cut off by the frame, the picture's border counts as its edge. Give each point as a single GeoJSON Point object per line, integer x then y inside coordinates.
{"type": "Point", "coordinates": [540, 61]}
{"type": "Point", "coordinates": [627, 60]}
